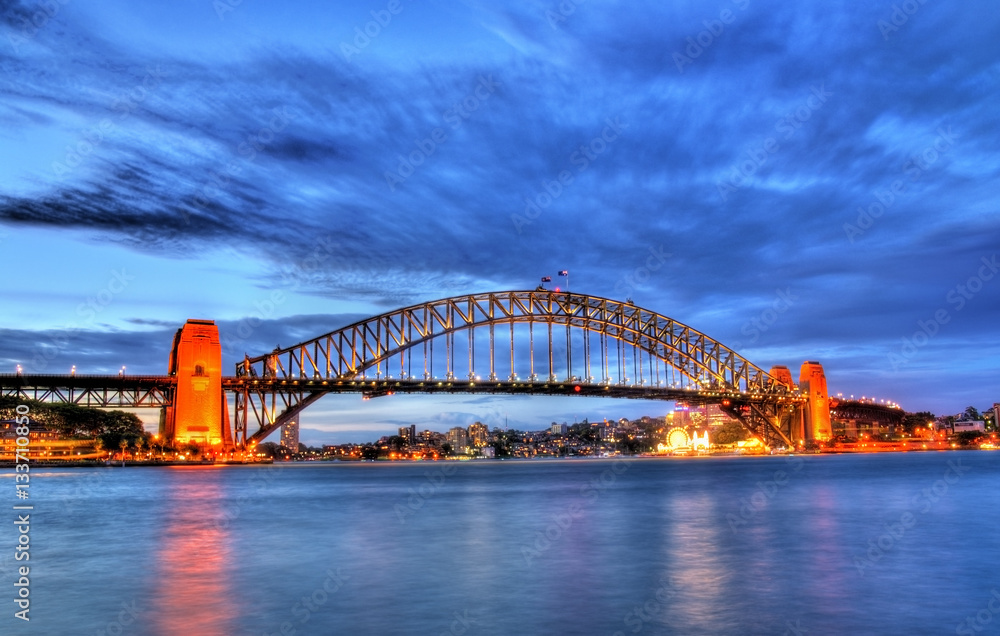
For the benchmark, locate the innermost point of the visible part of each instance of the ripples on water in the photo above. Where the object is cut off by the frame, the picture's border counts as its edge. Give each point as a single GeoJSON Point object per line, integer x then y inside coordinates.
{"type": "Point", "coordinates": [648, 546]}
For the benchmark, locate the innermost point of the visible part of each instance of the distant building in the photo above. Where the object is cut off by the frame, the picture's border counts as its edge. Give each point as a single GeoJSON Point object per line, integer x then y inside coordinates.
{"type": "Point", "coordinates": [409, 434]}
{"type": "Point", "coordinates": [681, 415]}
{"type": "Point", "coordinates": [459, 440]}
{"type": "Point", "coordinates": [700, 442]}
{"type": "Point", "coordinates": [715, 416]}
{"type": "Point", "coordinates": [290, 436]}
{"type": "Point", "coordinates": [488, 452]}
{"type": "Point", "coordinates": [961, 426]}
{"type": "Point", "coordinates": [608, 432]}
{"type": "Point", "coordinates": [479, 435]}
{"type": "Point", "coordinates": [558, 429]}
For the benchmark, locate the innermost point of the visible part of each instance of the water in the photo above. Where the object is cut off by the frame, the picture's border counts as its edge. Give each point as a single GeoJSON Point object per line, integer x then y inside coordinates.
{"type": "Point", "coordinates": [755, 545]}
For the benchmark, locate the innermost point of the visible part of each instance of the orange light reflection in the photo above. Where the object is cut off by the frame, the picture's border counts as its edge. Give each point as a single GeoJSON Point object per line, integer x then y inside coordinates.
{"type": "Point", "coordinates": [193, 594]}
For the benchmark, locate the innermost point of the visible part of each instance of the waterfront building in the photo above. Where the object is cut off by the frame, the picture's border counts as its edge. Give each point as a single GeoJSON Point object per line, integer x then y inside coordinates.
{"type": "Point", "coordinates": [43, 443]}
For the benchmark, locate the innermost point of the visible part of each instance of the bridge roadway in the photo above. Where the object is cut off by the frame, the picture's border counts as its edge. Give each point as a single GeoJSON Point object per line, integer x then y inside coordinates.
{"type": "Point", "coordinates": [147, 391]}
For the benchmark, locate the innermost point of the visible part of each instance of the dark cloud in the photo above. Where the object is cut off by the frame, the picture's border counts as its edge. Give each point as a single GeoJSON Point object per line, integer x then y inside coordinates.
{"type": "Point", "coordinates": [465, 173]}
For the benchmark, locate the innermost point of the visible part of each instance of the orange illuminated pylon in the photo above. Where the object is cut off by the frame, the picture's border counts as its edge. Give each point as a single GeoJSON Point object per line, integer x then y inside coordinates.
{"type": "Point", "coordinates": [200, 412]}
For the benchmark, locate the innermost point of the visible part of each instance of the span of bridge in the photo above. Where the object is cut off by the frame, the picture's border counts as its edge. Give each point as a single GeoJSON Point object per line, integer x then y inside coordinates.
{"type": "Point", "coordinates": [536, 342]}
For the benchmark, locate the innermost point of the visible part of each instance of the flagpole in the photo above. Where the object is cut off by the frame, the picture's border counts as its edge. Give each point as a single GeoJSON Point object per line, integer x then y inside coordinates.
{"type": "Point", "coordinates": [565, 272]}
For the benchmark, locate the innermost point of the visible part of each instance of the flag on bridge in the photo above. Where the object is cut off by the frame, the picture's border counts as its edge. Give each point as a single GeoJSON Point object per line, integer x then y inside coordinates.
{"type": "Point", "coordinates": [546, 279]}
{"type": "Point", "coordinates": [564, 272]}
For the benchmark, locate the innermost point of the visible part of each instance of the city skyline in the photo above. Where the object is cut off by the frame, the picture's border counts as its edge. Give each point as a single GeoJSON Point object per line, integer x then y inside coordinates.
{"type": "Point", "coordinates": [800, 183]}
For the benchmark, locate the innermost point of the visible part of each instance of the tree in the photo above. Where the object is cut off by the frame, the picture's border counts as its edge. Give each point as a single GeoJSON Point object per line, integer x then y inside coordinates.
{"type": "Point", "coordinates": [631, 446]}
{"type": "Point", "coordinates": [730, 433]}
{"type": "Point", "coordinates": [268, 449]}
{"type": "Point", "coordinates": [446, 449]}
{"type": "Point", "coordinates": [913, 421]}
{"type": "Point", "coordinates": [505, 440]}
{"type": "Point", "coordinates": [117, 426]}
{"type": "Point", "coordinates": [968, 438]}
{"type": "Point", "coordinates": [583, 431]}
{"type": "Point", "coordinates": [972, 413]}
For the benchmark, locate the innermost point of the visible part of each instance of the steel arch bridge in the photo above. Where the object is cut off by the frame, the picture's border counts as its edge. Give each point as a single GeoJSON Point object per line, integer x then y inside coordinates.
{"type": "Point", "coordinates": [513, 342]}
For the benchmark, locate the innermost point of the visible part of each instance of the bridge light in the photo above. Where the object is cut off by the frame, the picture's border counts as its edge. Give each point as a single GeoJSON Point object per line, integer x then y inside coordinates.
{"type": "Point", "coordinates": [577, 388]}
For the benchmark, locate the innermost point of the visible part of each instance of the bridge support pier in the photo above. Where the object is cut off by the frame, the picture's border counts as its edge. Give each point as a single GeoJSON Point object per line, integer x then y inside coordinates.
{"type": "Point", "coordinates": [816, 413]}
{"type": "Point", "coordinates": [200, 412]}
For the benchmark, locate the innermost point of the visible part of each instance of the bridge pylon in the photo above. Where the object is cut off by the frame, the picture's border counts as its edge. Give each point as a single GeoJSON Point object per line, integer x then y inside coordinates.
{"type": "Point", "coordinates": [816, 412]}
{"type": "Point", "coordinates": [199, 413]}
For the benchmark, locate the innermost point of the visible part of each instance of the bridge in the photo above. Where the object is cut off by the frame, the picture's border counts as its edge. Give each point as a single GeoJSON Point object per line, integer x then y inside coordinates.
{"type": "Point", "coordinates": [512, 342]}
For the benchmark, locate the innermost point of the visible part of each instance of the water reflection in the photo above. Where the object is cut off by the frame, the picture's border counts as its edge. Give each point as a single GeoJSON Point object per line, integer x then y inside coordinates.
{"type": "Point", "coordinates": [193, 595]}
{"type": "Point", "coordinates": [692, 538]}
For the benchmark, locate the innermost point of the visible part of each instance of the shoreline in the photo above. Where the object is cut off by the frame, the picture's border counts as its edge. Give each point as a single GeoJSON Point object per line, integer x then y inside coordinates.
{"type": "Point", "coordinates": [200, 464]}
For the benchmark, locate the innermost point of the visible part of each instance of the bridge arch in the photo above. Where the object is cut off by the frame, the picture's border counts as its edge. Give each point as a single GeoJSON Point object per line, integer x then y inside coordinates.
{"type": "Point", "coordinates": [288, 379]}
{"type": "Point", "coordinates": [369, 344]}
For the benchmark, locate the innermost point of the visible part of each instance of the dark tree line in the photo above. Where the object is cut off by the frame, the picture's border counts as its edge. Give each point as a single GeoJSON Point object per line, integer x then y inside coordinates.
{"type": "Point", "coordinates": [80, 422]}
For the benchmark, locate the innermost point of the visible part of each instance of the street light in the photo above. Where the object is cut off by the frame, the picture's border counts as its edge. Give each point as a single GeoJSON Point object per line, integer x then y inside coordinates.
{"type": "Point", "coordinates": [73, 370]}
{"type": "Point", "coordinates": [122, 372]}
{"type": "Point", "coordinates": [19, 369]}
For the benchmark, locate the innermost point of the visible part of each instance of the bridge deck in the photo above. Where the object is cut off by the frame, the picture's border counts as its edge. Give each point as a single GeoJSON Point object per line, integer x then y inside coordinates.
{"type": "Point", "coordinates": [150, 390]}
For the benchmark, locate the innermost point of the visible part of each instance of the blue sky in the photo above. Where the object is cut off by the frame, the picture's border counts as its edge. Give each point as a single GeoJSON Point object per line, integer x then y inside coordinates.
{"type": "Point", "coordinates": [811, 181]}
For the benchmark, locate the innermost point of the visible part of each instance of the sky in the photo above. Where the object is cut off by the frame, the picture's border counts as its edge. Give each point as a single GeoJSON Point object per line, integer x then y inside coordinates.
{"type": "Point", "coordinates": [800, 181]}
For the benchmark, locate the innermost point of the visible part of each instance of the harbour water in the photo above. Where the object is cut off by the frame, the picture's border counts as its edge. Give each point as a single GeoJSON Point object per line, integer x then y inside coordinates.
{"type": "Point", "coordinates": [902, 543]}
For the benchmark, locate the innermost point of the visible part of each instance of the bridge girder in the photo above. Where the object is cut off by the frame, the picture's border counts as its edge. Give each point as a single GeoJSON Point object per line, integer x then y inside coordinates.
{"type": "Point", "coordinates": [97, 391]}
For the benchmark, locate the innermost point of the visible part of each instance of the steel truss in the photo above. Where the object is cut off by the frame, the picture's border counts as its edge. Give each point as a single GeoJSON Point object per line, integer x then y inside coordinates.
{"type": "Point", "coordinates": [99, 391]}
{"type": "Point", "coordinates": [621, 350]}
